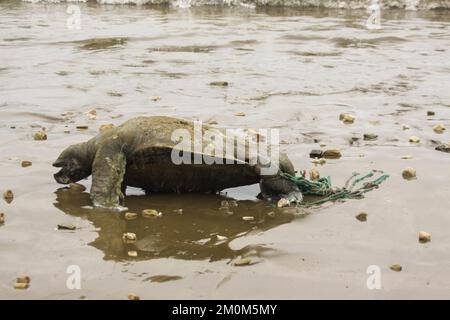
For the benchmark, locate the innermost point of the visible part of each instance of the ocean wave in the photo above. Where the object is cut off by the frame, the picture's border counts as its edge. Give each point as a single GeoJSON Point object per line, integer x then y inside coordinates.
{"type": "Point", "coordinates": [332, 4]}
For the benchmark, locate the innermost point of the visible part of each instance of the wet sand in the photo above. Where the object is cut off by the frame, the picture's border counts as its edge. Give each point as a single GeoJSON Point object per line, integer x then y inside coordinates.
{"type": "Point", "coordinates": [288, 69]}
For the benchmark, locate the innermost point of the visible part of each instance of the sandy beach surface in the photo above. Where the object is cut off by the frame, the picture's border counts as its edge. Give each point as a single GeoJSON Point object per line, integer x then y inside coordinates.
{"type": "Point", "coordinates": [294, 70]}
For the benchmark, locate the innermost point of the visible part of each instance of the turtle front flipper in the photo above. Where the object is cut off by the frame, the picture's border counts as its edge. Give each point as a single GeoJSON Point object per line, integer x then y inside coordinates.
{"type": "Point", "coordinates": [108, 172]}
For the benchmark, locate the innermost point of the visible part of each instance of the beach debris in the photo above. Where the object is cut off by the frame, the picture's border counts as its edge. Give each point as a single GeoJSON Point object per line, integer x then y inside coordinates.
{"type": "Point", "coordinates": [320, 161]}
{"type": "Point", "coordinates": [314, 174]}
{"type": "Point", "coordinates": [409, 173]}
{"type": "Point", "coordinates": [66, 226]}
{"type": "Point", "coordinates": [332, 154]}
{"type": "Point", "coordinates": [105, 127]}
{"type": "Point", "coordinates": [130, 216]}
{"type": "Point", "coordinates": [178, 211]}
{"type": "Point", "coordinates": [316, 154]}
{"type": "Point", "coordinates": [221, 238]}
{"type": "Point", "coordinates": [132, 296]}
{"type": "Point", "coordinates": [406, 157]}
{"type": "Point", "coordinates": [431, 113]}
{"type": "Point", "coordinates": [414, 139]}
{"type": "Point", "coordinates": [424, 237]}
{"type": "Point", "coordinates": [370, 136]}
{"type": "Point", "coordinates": [26, 163]}
{"type": "Point", "coordinates": [271, 214]}
{"type": "Point", "coordinates": [283, 202]}
{"type": "Point", "coordinates": [240, 114]}
{"type": "Point", "coordinates": [22, 282]}
{"type": "Point", "coordinates": [132, 254]}
{"type": "Point", "coordinates": [346, 118]}
{"type": "Point", "coordinates": [114, 94]}
{"type": "Point", "coordinates": [439, 128]}
{"type": "Point", "coordinates": [40, 136]}
{"type": "Point", "coordinates": [8, 195]}
{"type": "Point", "coordinates": [77, 187]}
{"type": "Point", "coordinates": [2, 218]}
{"type": "Point", "coordinates": [243, 262]}
{"type": "Point", "coordinates": [151, 213]}
{"type": "Point", "coordinates": [361, 217]}
{"type": "Point", "coordinates": [405, 127]}
{"type": "Point", "coordinates": [396, 267]}
{"type": "Point", "coordinates": [92, 114]}
{"type": "Point", "coordinates": [219, 83]}
{"type": "Point", "coordinates": [155, 98]}
{"type": "Point", "coordinates": [129, 237]}
{"type": "Point", "coordinates": [443, 148]}
{"type": "Point", "coordinates": [82, 127]}
{"type": "Point", "coordinates": [248, 218]}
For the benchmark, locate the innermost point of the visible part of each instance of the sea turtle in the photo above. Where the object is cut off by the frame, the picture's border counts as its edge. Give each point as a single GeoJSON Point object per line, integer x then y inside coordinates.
{"type": "Point", "coordinates": [140, 153]}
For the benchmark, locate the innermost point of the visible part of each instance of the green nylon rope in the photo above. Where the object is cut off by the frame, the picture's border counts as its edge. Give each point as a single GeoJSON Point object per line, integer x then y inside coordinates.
{"type": "Point", "coordinates": [322, 187]}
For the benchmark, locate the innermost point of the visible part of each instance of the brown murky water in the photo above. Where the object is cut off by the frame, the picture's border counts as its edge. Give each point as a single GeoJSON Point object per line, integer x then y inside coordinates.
{"type": "Point", "coordinates": [288, 69]}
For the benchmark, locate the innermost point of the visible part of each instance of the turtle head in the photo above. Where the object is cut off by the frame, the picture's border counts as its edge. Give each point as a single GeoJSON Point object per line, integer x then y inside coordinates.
{"type": "Point", "coordinates": [73, 163]}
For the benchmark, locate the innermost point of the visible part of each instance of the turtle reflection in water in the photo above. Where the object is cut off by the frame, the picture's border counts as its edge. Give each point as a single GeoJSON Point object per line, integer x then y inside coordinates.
{"type": "Point", "coordinates": [197, 233]}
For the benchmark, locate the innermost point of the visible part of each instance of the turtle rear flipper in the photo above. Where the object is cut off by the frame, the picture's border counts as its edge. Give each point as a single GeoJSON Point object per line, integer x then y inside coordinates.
{"type": "Point", "coordinates": [282, 188]}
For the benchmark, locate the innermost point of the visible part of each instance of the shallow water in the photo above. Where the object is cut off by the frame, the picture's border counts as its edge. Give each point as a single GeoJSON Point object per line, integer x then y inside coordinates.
{"type": "Point", "coordinates": [291, 69]}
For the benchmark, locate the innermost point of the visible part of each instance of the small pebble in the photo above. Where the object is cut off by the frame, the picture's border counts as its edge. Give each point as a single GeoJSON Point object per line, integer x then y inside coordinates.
{"type": "Point", "coordinates": [132, 253]}
{"type": "Point", "coordinates": [130, 216]}
{"type": "Point", "coordinates": [314, 174]}
{"type": "Point", "coordinates": [221, 238]}
{"type": "Point", "coordinates": [430, 113]}
{"type": "Point", "coordinates": [240, 114]}
{"type": "Point", "coordinates": [151, 213]}
{"type": "Point", "coordinates": [22, 282]}
{"type": "Point", "coordinates": [105, 127]}
{"type": "Point", "coordinates": [424, 237]}
{"type": "Point", "coordinates": [370, 137]}
{"type": "Point", "coordinates": [443, 148]}
{"type": "Point", "coordinates": [66, 226]}
{"type": "Point", "coordinates": [283, 203]}
{"type": "Point", "coordinates": [396, 267]}
{"type": "Point", "coordinates": [219, 83]}
{"type": "Point", "coordinates": [178, 211]}
{"type": "Point", "coordinates": [406, 157]}
{"type": "Point", "coordinates": [332, 154]}
{"type": "Point", "coordinates": [316, 154]}
{"type": "Point", "coordinates": [129, 237]}
{"type": "Point", "coordinates": [405, 127]}
{"type": "Point", "coordinates": [409, 173]}
{"type": "Point", "coordinates": [362, 217]}
{"type": "Point", "coordinates": [414, 139]}
{"type": "Point", "coordinates": [242, 262]}
{"type": "Point", "coordinates": [346, 118]}
{"type": "Point", "coordinates": [92, 115]}
{"type": "Point", "coordinates": [248, 218]}
{"type": "Point", "coordinates": [132, 296]}
{"type": "Point", "coordinates": [155, 98]}
{"type": "Point", "coordinates": [40, 136]}
{"type": "Point", "coordinates": [2, 218]}
{"type": "Point", "coordinates": [82, 127]}
{"type": "Point", "coordinates": [26, 163]}
{"type": "Point", "coordinates": [77, 187]}
{"type": "Point", "coordinates": [439, 128]}
{"type": "Point", "coordinates": [8, 195]}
